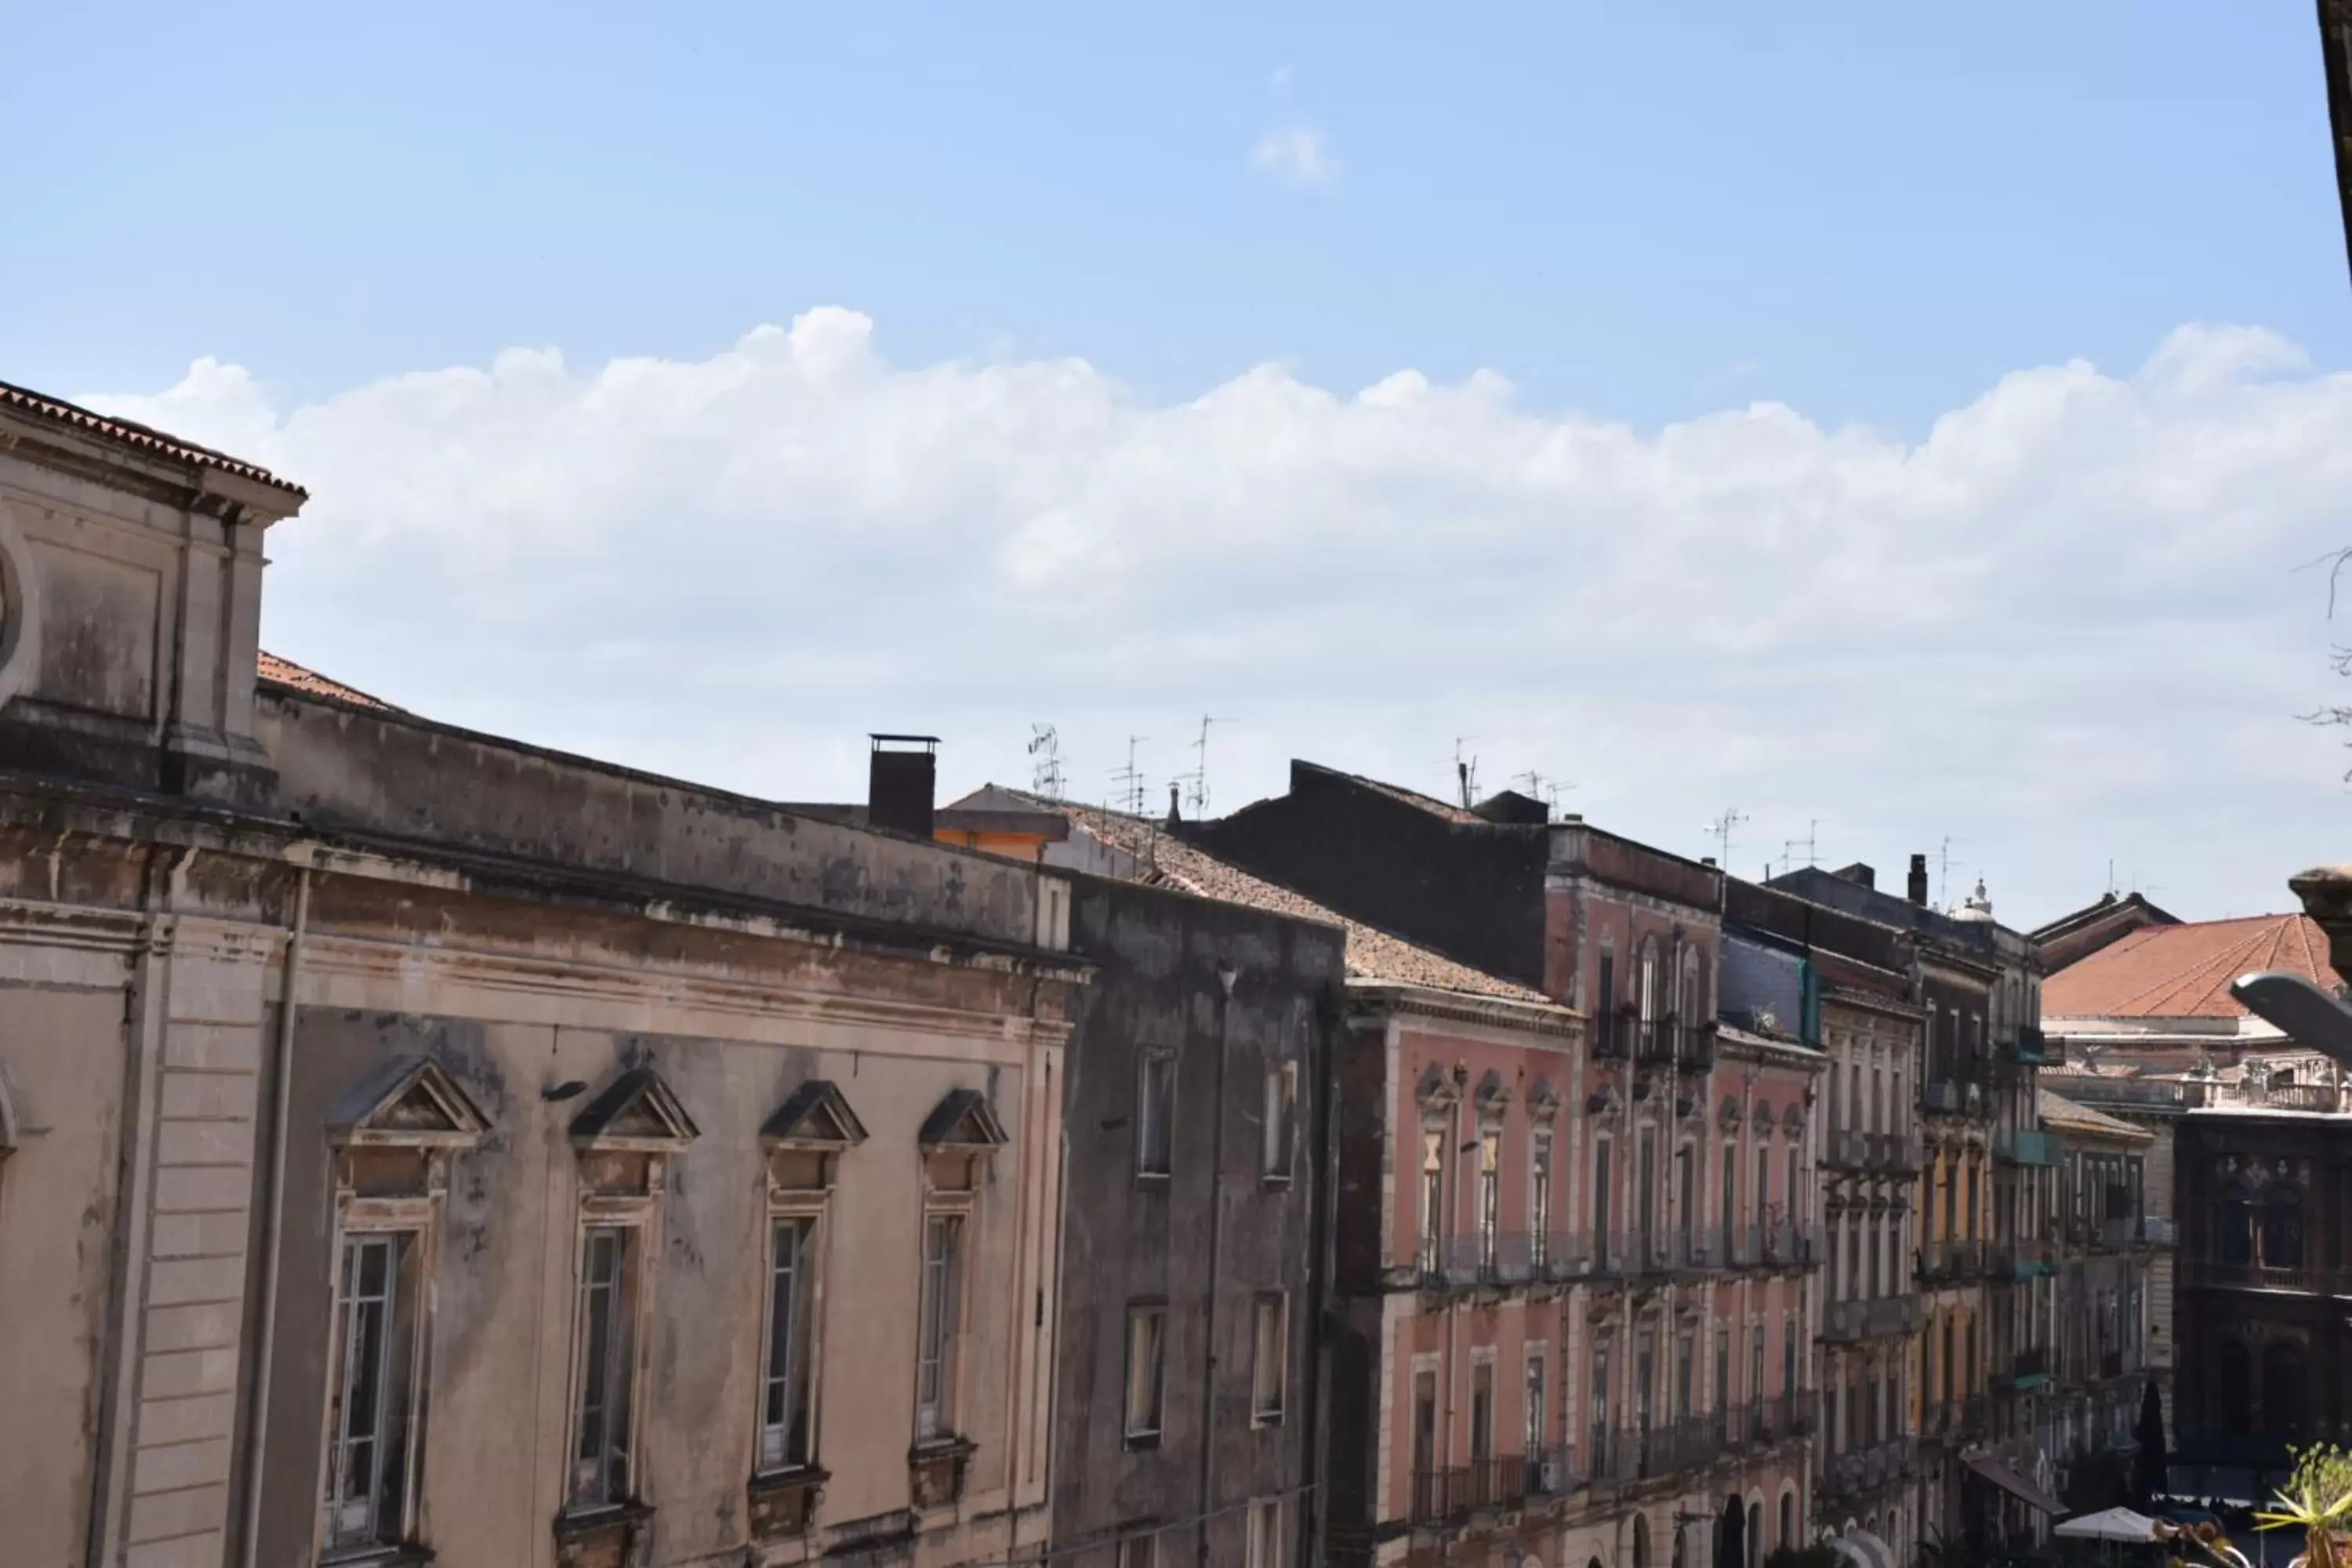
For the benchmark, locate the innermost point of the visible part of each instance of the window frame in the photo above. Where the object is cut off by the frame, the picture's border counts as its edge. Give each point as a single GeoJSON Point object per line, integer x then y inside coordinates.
{"type": "Point", "coordinates": [1155, 1065]}
{"type": "Point", "coordinates": [397, 1396]}
{"type": "Point", "coordinates": [1270, 1376]}
{"type": "Point", "coordinates": [390, 1138]}
{"type": "Point", "coordinates": [1266, 1545]}
{"type": "Point", "coordinates": [806, 1140]}
{"type": "Point", "coordinates": [1145, 1433]}
{"type": "Point", "coordinates": [626, 1359]}
{"type": "Point", "coordinates": [1280, 1141]}
{"type": "Point", "coordinates": [941, 1319]}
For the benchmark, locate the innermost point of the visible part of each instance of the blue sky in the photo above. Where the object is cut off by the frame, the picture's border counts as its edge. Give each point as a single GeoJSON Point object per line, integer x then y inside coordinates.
{"type": "Point", "coordinates": [1907, 419]}
{"type": "Point", "coordinates": [1869, 211]}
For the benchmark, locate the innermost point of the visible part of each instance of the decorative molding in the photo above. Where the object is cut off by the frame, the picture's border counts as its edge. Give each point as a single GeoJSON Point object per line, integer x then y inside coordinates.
{"type": "Point", "coordinates": [816, 1115]}
{"type": "Point", "coordinates": [963, 1121]}
{"type": "Point", "coordinates": [20, 609]}
{"type": "Point", "coordinates": [409, 1102]}
{"type": "Point", "coordinates": [636, 1113]}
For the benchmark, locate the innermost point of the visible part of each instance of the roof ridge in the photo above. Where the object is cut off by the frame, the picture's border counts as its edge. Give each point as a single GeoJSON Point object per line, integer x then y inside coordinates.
{"type": "Point", "coordinates": [131, 430]}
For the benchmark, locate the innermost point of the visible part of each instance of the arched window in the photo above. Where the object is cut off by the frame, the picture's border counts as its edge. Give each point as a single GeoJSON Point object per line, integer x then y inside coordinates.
{"type": "Point", "coordinates": [2284, 1374]}
{"type": "Point", "coordinates": [2283, 1228]}
{"type": "Point", "coordinates": [2235, 1374]}
{"type": "Point", "coordinates": [1756, 1534]}
{"type": "Point", "coordinates": [1649, 979]}
{"type": "Point", "coordinates": [1693, 1004]}
{"type": "Point", "coordinates": [1640, 1542]}
{"type": "Point", "coordinates": [1787, 1535]}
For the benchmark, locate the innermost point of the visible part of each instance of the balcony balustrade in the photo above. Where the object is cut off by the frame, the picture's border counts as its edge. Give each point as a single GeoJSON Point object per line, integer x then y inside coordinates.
{"type": "Point", "coordinates": [1845, 1322]}
{"type": "Point", "coordinates": [2016, 1260]}
{"type": "Point", "coordinates": [2032, 1048]}
{"type": "Point", "coordinates": [1654, 1042]}
{"type": "Point", "coordinates": [2302, 1281]}
{"type": "Point", "coordinates": [2156, 1230]}
{"type": "Point", "coordinates": [1695, 1047]}
{"type": "Point", "coordinates": [1950, 1258]}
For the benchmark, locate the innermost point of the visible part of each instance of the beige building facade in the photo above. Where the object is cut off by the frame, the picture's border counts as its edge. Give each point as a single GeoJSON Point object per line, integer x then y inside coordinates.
{"type": "Point", "coordinates": [414, 1144]}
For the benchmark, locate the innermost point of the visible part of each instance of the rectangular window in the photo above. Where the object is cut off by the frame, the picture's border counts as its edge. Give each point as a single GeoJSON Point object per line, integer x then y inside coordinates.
{"type": "Point", "coordinates": [1270, 1362]}
{"type": "Point", "coordinates": [1540, 1195]}
{"type": "Point", "coordinates": [1600, 1210]}
{"type": "Point", "coordinates": [1683, 1373]}
{"type": "Point", "coordinates": [1155, 1110]}
{"type": "Point", "coordinates": [372, 1390]}
{"type": "Point", "coordinates": [1432, 1198]}
{"type": "Point", "coordinates": [1482, 1412]}
{"type": "Point", "coordinates": [1686, 1194]}
{"type": "Point", "coordinates": [1645, 1195]}
{"type": "Point", "coordinates": [784, 1433]}
{"type": "Point", "coordinates": [603, 1422]}
{"type": "Point", "coordinates": [1424, 1422]}
{"type": "Point", "coordinates": [1790, 1383]}
{"type": "Point", "coordinates": [1536, 1414]}
{"type": "Point", "coordinates": [1147, 1334]}
{"type": "Point", "coordinates": [1138, 1552]}
{"type": "Point", "coordinates": [1756, 1362]}
{"type": "Point", "coordinates": [1281, 1119]}
{"type": "Point", "coordinates": [1490, 1196]}
{"type": "Point", "coordinates": [936, 1325]}
{"type": "Point", "coordinates": [1730, 1201]}
{"type": "Point", "coordinates": [1265, 1535]}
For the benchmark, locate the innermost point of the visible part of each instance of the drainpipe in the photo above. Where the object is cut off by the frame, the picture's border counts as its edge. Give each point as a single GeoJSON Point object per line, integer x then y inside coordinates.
{"type": "Point", "coordinates": [273, 1225]}
{"type": "Point", "coordinates": [1226, 976]}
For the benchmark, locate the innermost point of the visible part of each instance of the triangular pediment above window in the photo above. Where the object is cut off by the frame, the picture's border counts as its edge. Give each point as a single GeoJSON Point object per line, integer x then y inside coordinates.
{"type": "Point", "coordinates": [638, 1111]}
{"type": "Point", "coordinates": [964, 1119]}
{"type": "Point", "coordinates": [1435, 1091]}
{"type": "Point", "coordinates": [408, 1102]}
{"type": "Point", "coordinates": [814, 1116]}
{"type": "Point", "coordinates": [1543, 1100]}
{"type": "Point", "coordinates": [1494, 1094]}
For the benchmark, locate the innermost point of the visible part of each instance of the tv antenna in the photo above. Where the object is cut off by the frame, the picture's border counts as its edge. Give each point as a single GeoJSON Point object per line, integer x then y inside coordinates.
{"type": "Point", "coordinates": [1044, 762]}
{"type": "Point", "coordinates": [1809, 844]}
{"type": "Point", "coordinates": [1465, 772]}
{"type": "Point", "coordinates": [1944, 872]}
{"type": "Point", "coordinates": [1196, 783]}
{"type": "Point", "coordinates": [1547, 790]}
{"type": "Point", "coordinates": [1720, 830]}
{"type": "Point", "coordinates": [1129, 779]}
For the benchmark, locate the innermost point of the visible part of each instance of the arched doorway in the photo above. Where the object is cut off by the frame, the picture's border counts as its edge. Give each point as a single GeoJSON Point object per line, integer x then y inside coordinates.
{"type": "Point", "coordinates": [1755, 1533]}
{"type": "Point", "coordinates": [2284, 1370]}
{"type": "Point", "coordinates": [2236, 1368]}
{"type": "Point", "coordinates": [1731, 1536]}
{"type": "Point", "coordinates": [1640, 1542]}
{"type": "Point", "coordinates": [1787, 1536]}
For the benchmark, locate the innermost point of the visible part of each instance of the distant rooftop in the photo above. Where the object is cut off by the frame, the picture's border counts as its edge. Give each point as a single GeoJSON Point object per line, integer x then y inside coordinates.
{"type": "Point", "coordinates": [279, 671]}
{"type": "Point", "coordinates": [2184, 971]}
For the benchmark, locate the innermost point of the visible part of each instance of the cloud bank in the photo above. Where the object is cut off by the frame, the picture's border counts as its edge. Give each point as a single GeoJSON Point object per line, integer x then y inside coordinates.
{"type": "Point", "coordinates": [1296, 155]}
{"type": "Point", "coordinates": [2060, 628]}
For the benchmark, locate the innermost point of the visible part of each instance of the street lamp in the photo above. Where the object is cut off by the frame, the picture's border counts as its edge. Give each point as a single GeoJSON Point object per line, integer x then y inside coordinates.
{"type": "Point", "coordinates": [2302, 1011]}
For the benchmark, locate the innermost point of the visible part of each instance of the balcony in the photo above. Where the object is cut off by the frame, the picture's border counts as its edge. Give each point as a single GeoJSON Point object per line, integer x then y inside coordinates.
{"type": "Point", "coordinates": [1947, 1259]}
{"type": "Point", "coordinates": [2250, 1275]}
{"type": "Point", "coordinates": [2016, 1260]}
{"type": "Point", "coordinates": [2033, 1148]}
{"type": "Point", "coordinates": [1612, 1036]}
{"type": "Point", "coordinates": [1959, 1420]}
{"type": "Point", "coordinates": [2029, 1369]}
{"type": "Point", "coordinates": [1845, 1149]}
{"type": "Point", "coordinates": [1859, 1470]}
{"type": "Point", "coordinates": [1654, 1042]}
{"type": "Point", "coordinates": [2156, 1230]}
{"type": "Point", "coordinates": [2032, 1048]}
{"type": "Point", "coordinates": [1695, 1047]}
{"type": "Point", "coordinates": [1846, 1321]}
{"type": "Point", "coordinates": [2323, 1098]}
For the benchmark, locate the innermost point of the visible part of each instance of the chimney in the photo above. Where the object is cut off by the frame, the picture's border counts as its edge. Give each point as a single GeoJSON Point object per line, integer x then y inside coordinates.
{"type": "Point", "coordinates": [899, 781]}
{"type": "Point", "coordinates": [1918, 885]}
{"type": "Point", "coordinates": [1859, 873]}
{"type": "Point", "coordinates": [1174, 817]}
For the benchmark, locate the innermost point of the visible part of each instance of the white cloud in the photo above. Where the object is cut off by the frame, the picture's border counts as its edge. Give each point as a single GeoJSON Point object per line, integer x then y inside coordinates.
{"type": "Point", "coordinates": [1281, 79]}
{"type": "Point", "coordinates": [1296, 155]}
{"type": "Point", "coordinates": [2062, 627]}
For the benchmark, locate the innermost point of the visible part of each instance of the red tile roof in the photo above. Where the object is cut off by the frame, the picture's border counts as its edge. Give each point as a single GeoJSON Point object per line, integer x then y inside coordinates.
{"type": "Point", "coordinates": [2184, 971]}
{"type": "Point", "coordinates": [279, 671]}
{"type": "Point", "coordinates": [41, 405]}
{"type": "Point", "coordinates": [1372, 954]}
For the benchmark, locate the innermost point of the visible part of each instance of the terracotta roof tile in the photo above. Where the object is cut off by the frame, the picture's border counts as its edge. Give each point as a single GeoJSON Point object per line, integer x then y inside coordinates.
{"type": "Point", "coordinates": [279, 671]}
{"type": "Point", "coordinates": [2057, 1110]}
{"type": "Point", "coordinates": [1372, 954]}
{"type": "Point", "coordinates": [2184, 971]}
{"type": "Point", "coordinates": [23, 400]}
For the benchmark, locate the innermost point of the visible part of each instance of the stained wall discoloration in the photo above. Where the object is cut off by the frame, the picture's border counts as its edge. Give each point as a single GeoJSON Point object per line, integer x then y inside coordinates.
{"type": "Point", "coordinates": [1157, 988]}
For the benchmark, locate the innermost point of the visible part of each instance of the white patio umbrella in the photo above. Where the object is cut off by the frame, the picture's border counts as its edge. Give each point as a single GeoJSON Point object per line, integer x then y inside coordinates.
{"type": "Point", "coordinates": [2110, 1525]}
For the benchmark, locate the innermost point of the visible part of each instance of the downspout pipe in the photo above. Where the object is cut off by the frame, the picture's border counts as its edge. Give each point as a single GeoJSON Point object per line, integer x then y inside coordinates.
{"type": "Point", "coordinates": [1226, 977]}
{"type": "Point", "coordinates": [1325, 1297]}
{"type": "Point", "coordinates": [273, 1218]}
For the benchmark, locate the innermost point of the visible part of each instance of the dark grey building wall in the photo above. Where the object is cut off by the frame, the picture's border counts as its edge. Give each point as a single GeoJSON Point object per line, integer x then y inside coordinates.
{"type": "Point", "coordinates": [1125, 1241]}
{"type": "Point", "coordinates": [1472, 891]}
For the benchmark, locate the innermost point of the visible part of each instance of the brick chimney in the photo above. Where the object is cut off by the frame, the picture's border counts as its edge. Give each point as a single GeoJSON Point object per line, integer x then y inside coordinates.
{"type": "Point", "coordinates": [1917, 888]}
{"type": "Point", "coordinates": [900, 780]}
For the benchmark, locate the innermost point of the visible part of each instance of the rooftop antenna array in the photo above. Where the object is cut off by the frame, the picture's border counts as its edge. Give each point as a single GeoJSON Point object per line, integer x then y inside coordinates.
{"type": "Point", "coordinates": [1196, 783]}
{"type": "Point", "coordinates": [1720, 830]}
{"type": "Point", "coordinates": [1129, 779]}
{"type": "Point", "coordinates": [1811, 844]}
{"type": "Point", "coordinates": [1044, 762]}
{"type": "Point", "coordinates": [1547, 790]}
{"type": "Point", "coordinates": [1944, 872]}
{"type": "Point", "coordinates": [1466, 773]}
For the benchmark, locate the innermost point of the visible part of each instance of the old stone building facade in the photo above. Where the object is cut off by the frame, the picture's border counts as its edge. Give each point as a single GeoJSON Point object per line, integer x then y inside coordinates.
{"type": "Point", "coordinates": [422, 1143]}
{"type": "Point", "coordinates": [1680, 1153]}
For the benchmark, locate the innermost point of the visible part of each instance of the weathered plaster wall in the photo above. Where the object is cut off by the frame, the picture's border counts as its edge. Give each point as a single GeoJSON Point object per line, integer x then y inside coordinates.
{"type": "Point", "coordinates": [1157, 988]}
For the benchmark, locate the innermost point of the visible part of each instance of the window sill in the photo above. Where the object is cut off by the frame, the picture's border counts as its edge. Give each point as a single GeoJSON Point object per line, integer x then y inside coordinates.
{"type": "Point", "coordinates": [1153, 1178]}
{"type": "Point", "coordinates": [606, 1536]}
{"type": "Point", "coordinates": [783, 1501]}
{"type": "Point", "coordinates": [1278, 1181]}
{"type": "Point", "coordinates": [1266, 1417]}
{"type": "Point", "coordinates": [1139, 1440]}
